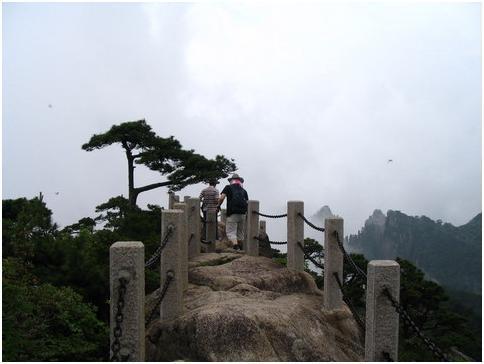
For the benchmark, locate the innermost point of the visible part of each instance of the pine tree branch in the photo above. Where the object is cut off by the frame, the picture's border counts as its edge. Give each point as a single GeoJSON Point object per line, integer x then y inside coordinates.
{"type": "Point", "coordinates": [151, 186]}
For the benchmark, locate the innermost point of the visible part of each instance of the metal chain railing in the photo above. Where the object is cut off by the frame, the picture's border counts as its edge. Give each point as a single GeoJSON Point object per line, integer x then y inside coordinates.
{"type": "Point", "coordinates": [269, 216]}
{"type": "Point", "coordinates": [118, 318]}
{"type": "Point", "coordinates": [348, 302]}
{"type": "Point", "coordinates": [206, 242]}
{"type": "Point", "coordinates": [348, 257]}
{"type": "Point", "coordinates": [309, 222]}
{"type": "Point", "coordinates": [429, 343]}
{"type": "Point", "coordinates": [309, 257]}
{"type": "Point", "coordinates": [157, 254]}
{"type": "Point", "coordinates": [170, 275]}
{"type": "Point", "coordinates": [270, 241]}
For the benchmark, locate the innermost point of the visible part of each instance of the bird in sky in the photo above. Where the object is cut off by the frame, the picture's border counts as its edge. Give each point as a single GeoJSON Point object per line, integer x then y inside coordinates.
{"type": "Point", "coordinates": [57, 193]}
{"type": "Point", "coordinates": [50, 106]}
{"type": "Point", "coordinates": [390, 160]}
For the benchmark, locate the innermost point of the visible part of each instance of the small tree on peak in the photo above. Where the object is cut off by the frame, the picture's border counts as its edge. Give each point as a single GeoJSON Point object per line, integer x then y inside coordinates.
{"type": "Point", "coordinates": [164, 155]}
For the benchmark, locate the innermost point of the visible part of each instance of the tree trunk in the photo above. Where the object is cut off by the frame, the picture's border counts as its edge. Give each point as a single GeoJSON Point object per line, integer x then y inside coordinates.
{"type": "Point", "coordinates": [132, 194]}
{"type": "Point", "coordinates": [132, 191]}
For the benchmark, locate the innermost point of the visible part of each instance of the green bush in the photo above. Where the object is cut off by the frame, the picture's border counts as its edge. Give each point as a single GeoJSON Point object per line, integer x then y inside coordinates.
{"type": "Point", "coordinates": [47, 323]}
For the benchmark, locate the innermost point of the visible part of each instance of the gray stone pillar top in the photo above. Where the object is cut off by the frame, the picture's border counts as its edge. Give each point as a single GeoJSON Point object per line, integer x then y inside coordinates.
{"type": "Point", "coordinates": [383, 263]}
{"type": "Point", "coordinates": [127, 244]}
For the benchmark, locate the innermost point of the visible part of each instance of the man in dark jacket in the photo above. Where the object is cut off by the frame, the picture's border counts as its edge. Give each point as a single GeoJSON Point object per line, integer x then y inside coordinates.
{"type": "Point", "coordinates": [237, 198]}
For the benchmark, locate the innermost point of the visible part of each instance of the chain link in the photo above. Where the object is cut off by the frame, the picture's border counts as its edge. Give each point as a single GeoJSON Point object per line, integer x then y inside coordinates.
{"type": "Point", "coordinates": [118, 318]}
{"type": "Point", "coordinates": [157, 254]}
{"type": "Point", "coordinates": [310, 223]}
{"type": "Point", "coordinates": [429, 343]}
{"type": "Point", "coordinates": [346, 300]}
{"type": "Point", "coordinates": [309, 257]}
{"type": "Point", "coordinates": [190, 238]}
{"type": "Point", "coordinates": [348, 257]}
{"type": "Point", "coordinates": [271, 242]}
{"type": "Point", "coordinates": [170, 275]}
{"type": "Point", "coordinates": [269, 216]}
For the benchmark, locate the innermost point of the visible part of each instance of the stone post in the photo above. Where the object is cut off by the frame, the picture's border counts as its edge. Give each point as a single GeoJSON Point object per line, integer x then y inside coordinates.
{"type": "Point", "coordinates": [172, 199]}
{"type": "Point", "coordinates": [193, 225]}
{"type": "Point", "coordinates": [246, 233]}
{"type": "Point", "coordinates": [211, 230]}
{"type": "Point", "coordinates": [381, 317]}
{"type": "Point", "coordinates": [185, 199]}
{"type": "Point", "coordinates": [252, 228]}
{"type": "Point", "coordinates": [333, 263]}
{"type": "Point", "coordinates": [184, 244]}
{"type": "Point", "coordinates": [295, 234]}
{"type": "Point", "coordinates": [127, 261]}
{"type": "Point", "coordinates": [172, 304]}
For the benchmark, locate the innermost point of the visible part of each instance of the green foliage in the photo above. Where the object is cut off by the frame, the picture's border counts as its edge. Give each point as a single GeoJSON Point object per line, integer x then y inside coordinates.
{"type": "Point", "coordinates": [23, 222]}
{"type": "Point", "coordinates": [134, 134]}
{"type": "Point", "coordinates": [164, 155]}
{"type": "Point", "coordinates": [355, 284]}
{"type": "Point", "coordinates": [425, 302]}
{"type": "Point", "coordinates": [47, 323]}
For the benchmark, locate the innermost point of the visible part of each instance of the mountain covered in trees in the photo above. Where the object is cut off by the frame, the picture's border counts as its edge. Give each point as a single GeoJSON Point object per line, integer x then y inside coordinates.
{"type": "Point", "coordinates": [449, 255]}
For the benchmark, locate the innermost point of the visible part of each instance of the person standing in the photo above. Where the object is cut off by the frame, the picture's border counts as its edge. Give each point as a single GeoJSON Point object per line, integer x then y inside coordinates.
{"type": "Point", "coordinates": [237, 199]}
{"type": "Point", "coordinates": [209, 202]}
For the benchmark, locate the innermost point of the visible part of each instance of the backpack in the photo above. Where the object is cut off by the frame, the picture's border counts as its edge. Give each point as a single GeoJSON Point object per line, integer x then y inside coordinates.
{"type": "Point", "coordinates": [238, 203]}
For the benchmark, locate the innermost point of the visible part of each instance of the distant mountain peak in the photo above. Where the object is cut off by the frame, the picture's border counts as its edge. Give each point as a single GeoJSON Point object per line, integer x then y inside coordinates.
{"type": "Point", "coordinates": [377, 218]}
{"type": "Point", "coordinates": [323, 213]}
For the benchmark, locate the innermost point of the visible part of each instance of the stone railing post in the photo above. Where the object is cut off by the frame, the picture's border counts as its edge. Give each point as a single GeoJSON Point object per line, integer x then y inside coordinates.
{"type": "Point", "coordinates": [172, 199]}
{"type": "Point", "coordinates": [381, 317]}
{"type": "Point", "coordinates": [184, 244]}
{"type": "Point", "coordinates": [211, 230]}
{"type": "Point", "coordinates": [172, 304]}
{"type": "Point", "coordinates": [295, 234]}
{"type": "Point", "coordinates": [252, 228]}
{"type": "Point", "coordinates": [127, 262]}
{"type": "Point", "coordinates": [333, 263]}
{"type": "Point", "coordinates": [193, 225]}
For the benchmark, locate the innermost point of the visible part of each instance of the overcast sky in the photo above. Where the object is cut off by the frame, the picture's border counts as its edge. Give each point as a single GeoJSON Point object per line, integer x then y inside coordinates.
{"type": "Point", "coordinates": [311, 100]}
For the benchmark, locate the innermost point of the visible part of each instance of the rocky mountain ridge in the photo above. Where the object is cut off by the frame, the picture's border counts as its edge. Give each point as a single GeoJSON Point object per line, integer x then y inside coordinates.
{"type": "Point", "coordinates": [447, 254]}
{"type": "Point", "coordinates": [243, 308]}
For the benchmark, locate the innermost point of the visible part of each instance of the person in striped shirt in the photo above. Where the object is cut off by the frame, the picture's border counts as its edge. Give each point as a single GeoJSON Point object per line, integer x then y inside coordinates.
{"type": "Point", "coordinates": [209, 201]}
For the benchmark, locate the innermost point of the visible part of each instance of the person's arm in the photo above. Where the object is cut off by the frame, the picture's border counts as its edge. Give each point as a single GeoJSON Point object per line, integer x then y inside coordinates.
{"type": "Point", "coordinates": [201, 200]}
{"type": "Point", "coordinates": [221, 200]}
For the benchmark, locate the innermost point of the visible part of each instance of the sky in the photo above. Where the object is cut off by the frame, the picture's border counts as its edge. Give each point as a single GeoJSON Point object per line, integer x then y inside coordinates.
{"type": "Point", "coordinates": [312, 100]}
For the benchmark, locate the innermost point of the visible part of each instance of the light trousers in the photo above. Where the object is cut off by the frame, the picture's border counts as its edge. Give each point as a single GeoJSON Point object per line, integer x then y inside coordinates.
{"type": "Point", "coordinates": [235, 227]}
